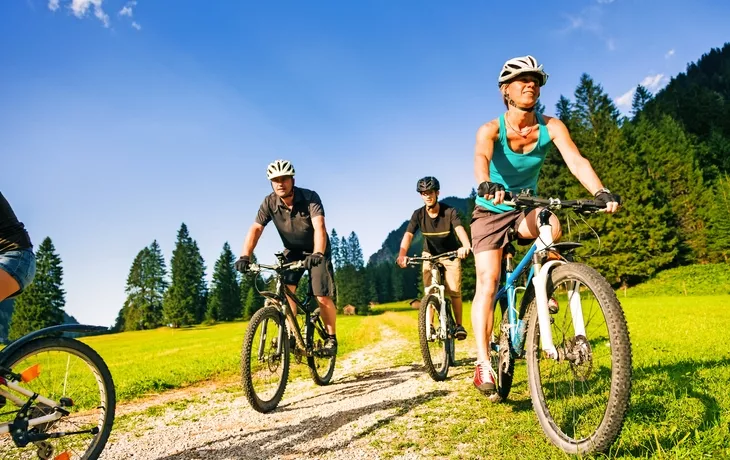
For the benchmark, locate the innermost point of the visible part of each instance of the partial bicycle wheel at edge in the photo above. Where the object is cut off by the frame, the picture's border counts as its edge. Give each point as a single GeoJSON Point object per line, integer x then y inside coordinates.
{"type": "Point", "coordinates": [435, 350]}
{"type": "Point", "coordinates": [502, 361]}
{"type": "Point", "coordinates": [265, 365]}
{"type": "Point", "coordinates": [321, 367]}
{"type": "Point", "coordinates": [581, 400]}
{"type": "Point", "coordinates": [67, 368]}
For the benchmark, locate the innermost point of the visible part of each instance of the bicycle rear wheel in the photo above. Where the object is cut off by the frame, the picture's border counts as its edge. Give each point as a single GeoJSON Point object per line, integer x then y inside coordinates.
{"type": "Point", "coordinates": [321, 367]}
{"type": "Point", "coordinates": [265, 359]}
{"type": "Point", "coordinates": [434, 348]}
{"type": "Point", "coordinates": [73, 374]}
{"type": "Point", "coordinates": [581, 399]}
{"type": "Point", "coordinates": [502, 360]}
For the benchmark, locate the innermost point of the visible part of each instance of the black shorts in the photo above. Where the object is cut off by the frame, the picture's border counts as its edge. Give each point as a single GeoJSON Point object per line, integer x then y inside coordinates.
{"type": "Point", "coordinates": [322, 276]}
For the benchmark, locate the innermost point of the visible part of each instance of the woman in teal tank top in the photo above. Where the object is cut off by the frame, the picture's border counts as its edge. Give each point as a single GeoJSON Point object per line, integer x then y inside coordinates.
{"type": "Point", "coordinates": [509, 153]}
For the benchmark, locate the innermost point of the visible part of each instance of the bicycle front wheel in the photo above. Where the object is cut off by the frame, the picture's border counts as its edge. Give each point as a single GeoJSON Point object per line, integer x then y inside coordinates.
{"type": "Point", "coordinates": [321, 366]}
{"type": "Point", "coordinates": [435, 348]}
{"type": "Point", "coordinates": [72, 374]}
{"type": "Point", "coordinates": [581, 398]}
{"type": "Point", "coordinates": [265, 359]}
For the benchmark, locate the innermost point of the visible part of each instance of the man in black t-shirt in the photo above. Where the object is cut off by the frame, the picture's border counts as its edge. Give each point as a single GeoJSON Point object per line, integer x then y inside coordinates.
{"type": "Point", "coordinates": [298, 216]}
{"type": "Point", "coordinates": [440, 225]}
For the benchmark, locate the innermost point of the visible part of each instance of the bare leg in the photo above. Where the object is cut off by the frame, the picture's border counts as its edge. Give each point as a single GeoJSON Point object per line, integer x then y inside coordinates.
{"type": "Point", "coordinates": [488, 265]}
{"type": "Point", "coordinates": [8, 285]}
{"type": "Point", "coordinates": [328, 311]}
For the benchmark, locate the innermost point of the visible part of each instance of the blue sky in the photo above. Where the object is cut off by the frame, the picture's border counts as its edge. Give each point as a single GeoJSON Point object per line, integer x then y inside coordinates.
{"type": "Point", "coordinates": [119, 120]}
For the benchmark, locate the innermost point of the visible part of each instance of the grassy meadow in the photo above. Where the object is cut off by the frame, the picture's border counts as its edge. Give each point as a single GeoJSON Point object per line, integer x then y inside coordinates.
{"type": "Point", "coordinates": [680, 406]}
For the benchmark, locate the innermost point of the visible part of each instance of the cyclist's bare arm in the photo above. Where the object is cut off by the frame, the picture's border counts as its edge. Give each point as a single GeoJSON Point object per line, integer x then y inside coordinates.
{"type": "Point", "coordinates": [320, 234]}
{"type": "Point", "coordinates": [464, 239]}
{"type": "Point", "coordinates": [579, 166]}
{"type": "Point", "coordinates": [252, 239]}
{"type": "Point", "coordinates": [404, 245]}
{"type": "Point", "coordinates": [487, 134]}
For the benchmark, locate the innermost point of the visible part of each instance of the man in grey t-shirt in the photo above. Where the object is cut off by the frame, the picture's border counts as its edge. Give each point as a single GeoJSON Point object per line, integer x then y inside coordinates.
{"type": "Point", "coordinates": [298, 216]}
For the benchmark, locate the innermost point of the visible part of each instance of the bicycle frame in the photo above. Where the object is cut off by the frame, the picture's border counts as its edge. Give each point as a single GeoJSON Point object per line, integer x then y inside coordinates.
{"type": "Point", "coordinates": [281, 296]}
{"type": "Point", "coordinates": [437, 288]}
{"type": "Point", "coordinates": [13, 386]}
{"type": "Point", "coordinates": [538, 275]}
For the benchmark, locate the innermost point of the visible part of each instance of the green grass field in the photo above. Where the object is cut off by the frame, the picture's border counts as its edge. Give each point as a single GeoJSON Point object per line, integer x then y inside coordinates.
{"type": "Point", "coordinates": [680, 406]}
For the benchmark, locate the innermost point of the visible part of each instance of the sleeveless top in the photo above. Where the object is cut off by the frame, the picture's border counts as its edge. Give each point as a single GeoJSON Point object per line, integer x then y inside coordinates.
{"type": "Point", "coordinates": [516, 171]}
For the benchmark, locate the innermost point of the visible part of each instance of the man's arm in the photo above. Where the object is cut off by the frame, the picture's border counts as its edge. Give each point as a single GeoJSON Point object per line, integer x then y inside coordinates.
{"type": "Point", "coordinates": [320, 234]}
{"type": "Point", "coordinates": [252, 239]}
{"type": "Point", "coordinates": [579, 166]}
{"type": "Point", "coordinates": [404, 245]}
{"type": "Point", "coordinates": [464, 239]}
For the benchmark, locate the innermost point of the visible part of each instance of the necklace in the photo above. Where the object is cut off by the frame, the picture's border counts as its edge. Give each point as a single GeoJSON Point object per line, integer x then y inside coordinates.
{"type": "Point", "coordinates": [523, 132]}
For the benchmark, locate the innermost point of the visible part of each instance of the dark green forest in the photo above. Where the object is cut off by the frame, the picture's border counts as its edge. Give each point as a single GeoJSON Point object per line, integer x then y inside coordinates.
{"type": "Point", "coordinates": [669, 160]}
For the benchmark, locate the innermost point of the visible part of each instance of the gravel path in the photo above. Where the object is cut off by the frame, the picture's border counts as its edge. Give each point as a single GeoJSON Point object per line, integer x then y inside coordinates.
{"type": "Point", "coordinates": [331, 422]}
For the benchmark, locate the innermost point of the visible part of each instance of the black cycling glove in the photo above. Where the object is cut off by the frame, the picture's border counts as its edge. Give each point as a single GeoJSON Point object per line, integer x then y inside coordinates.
{"type": "Point", "coordinates": [487, 188]}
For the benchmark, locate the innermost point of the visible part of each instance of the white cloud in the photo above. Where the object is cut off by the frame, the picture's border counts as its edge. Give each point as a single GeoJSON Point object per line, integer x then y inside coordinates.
{"type": "Point", "coordinates": [651, 82]}
{"type": "Point", "coordinates": [626, 99]}
{"type": "Point", "coordinates": [611, 44]}
{"type": "Point", "coordinates": [605, 1]}
{"type": "Point", "coordinates": [80, 7]}
{"type": "Point", "coordinates": [669, 54]}
{"type": "Point", "coordinates": [127, 10]}
{"type": "Point", "coordinates": [136, 25]}
{"type": "Point", "coordinates": [654, 82]}
{"type": "Point", "coordinates": [53, 5]}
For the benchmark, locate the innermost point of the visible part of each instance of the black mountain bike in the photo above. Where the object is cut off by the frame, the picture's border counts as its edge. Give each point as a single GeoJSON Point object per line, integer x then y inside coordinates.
{"type": "Point", "coordinates": [271, 334]}
{"type": "Point", "coordinates": [57, 397]}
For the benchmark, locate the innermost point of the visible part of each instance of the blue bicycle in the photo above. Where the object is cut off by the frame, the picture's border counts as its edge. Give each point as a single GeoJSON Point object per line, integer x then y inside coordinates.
{"type": "Point", "coordinates": [569, 325]}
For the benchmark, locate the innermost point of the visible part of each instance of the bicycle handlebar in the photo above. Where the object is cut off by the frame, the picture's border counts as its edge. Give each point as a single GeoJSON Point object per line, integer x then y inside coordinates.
{"type": "Point", "coordinates": [446, 255]}
{"type": "Point", "coordinates": [524, 201]}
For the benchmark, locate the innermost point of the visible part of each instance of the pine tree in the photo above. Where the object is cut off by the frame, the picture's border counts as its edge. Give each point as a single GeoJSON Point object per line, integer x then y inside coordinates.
{"type": "Point", "coordinates": [224, 300]}
{"type": "Point", "coordinates": [335, 249]}
{"type": "Point", "coordinates": [641, 97]}
{"type": "Point", "coordinates": [354, 251]}
{"type": "Point", "coordinates": [251, 300]}
{"type": "Point", "coordinates": [41, 304]}
{"type": "Point", "coordinates": [669, 158]}
{"type": "Point", "coordinates": [345, 257]}
{"type": "Point", "coordinates": [183, 304]}
{"type": "Point", "coordinates": [719, 224]}
{"type": "Point", "coordinates": [146, 285]}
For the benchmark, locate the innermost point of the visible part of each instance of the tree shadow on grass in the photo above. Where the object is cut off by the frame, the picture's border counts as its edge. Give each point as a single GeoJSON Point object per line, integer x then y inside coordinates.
{"type": "Point", "coordinates": [282, 441]}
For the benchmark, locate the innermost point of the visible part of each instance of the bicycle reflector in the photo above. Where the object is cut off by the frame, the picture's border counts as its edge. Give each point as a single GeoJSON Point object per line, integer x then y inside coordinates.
{"type": "Point", "coordinates": [31, 373]}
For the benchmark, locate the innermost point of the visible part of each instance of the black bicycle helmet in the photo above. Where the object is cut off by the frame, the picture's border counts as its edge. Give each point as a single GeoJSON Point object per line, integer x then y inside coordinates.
{"type": "Point", "coordinates": [428, 183]}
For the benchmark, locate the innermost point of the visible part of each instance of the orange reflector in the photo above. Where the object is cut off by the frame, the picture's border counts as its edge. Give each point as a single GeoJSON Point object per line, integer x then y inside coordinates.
{"type": "Point", "coordinates": [63, 456]}
{"type": "Point", "coordinates": [31, 373]}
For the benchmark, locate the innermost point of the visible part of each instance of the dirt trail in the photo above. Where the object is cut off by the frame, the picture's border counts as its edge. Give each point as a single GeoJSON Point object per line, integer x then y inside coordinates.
{"type": "Point", "coordinates": [216, 422]}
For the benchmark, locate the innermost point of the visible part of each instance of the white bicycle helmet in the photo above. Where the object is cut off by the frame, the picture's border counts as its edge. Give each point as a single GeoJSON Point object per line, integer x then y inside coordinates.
{"type": "Point", "coordinates": [520, 65]}
{"type": "Point", "coordinates": [279, 168]}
